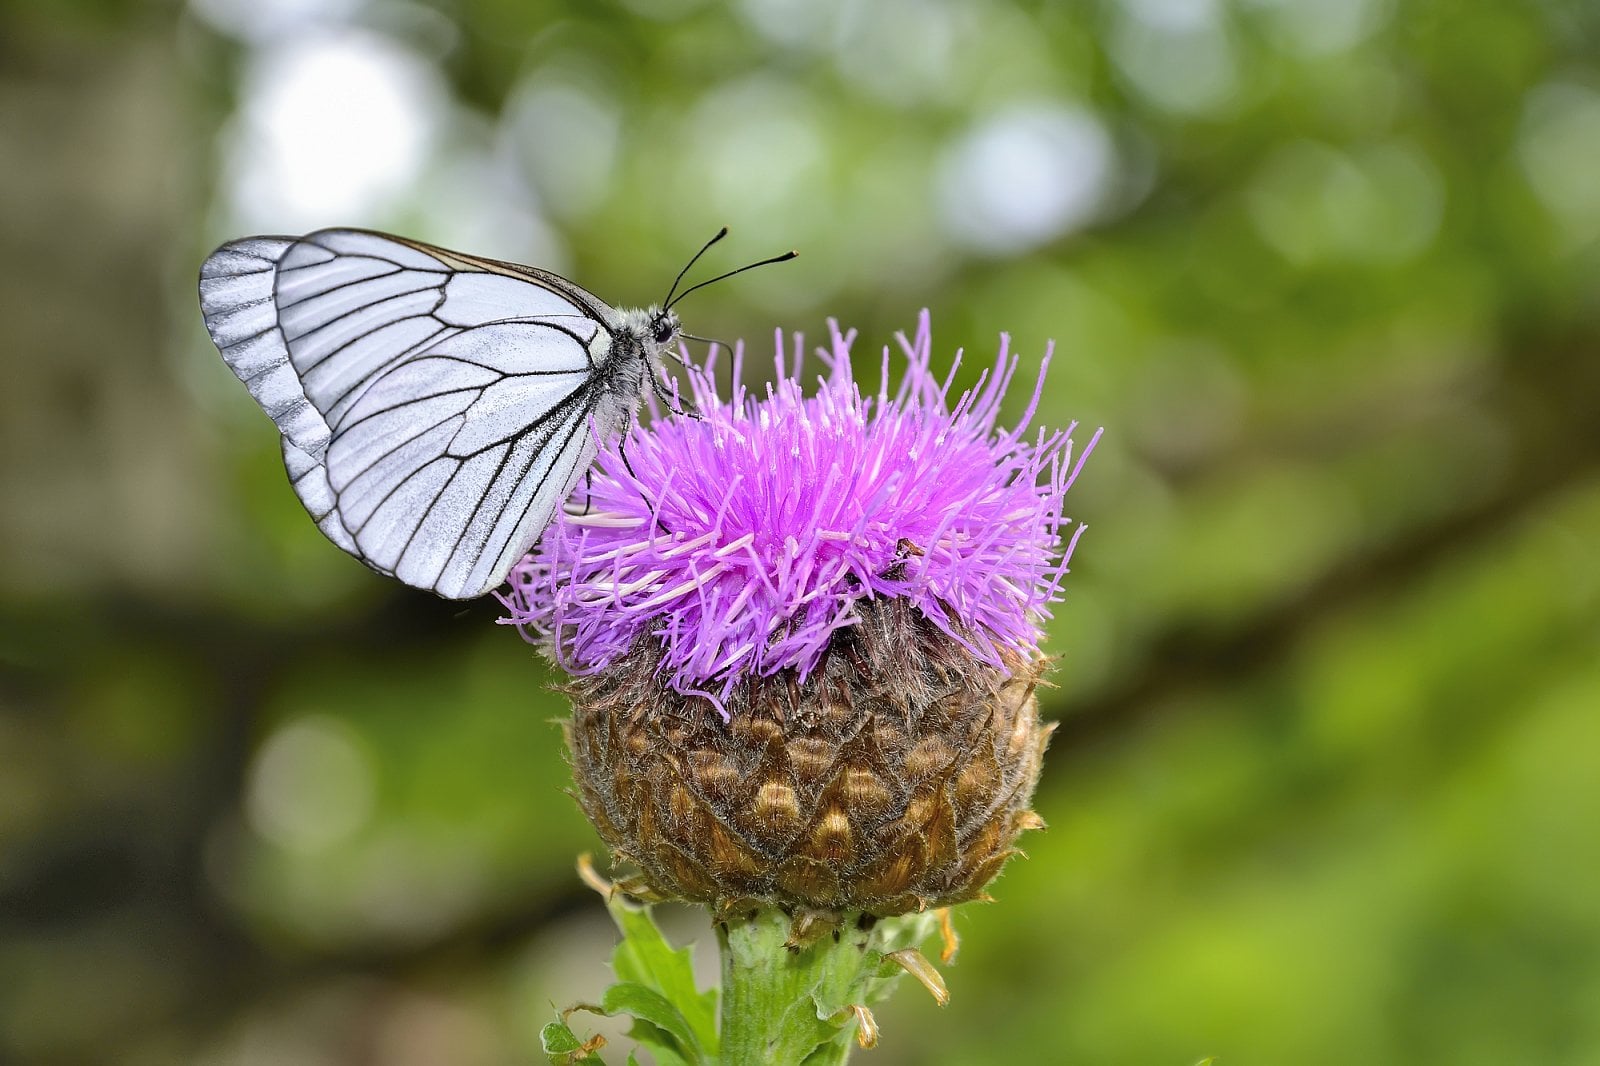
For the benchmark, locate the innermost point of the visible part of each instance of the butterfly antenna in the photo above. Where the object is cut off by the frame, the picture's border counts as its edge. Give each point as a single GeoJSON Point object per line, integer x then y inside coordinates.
{"type": "Point", "coordinates": [784, 258]}
{"type": "Point", "coordinates": [705, 340]}
{"type": "Point", "coordinates": [721, 233]}
{"type": "Point", "coordinates": [709, 366]}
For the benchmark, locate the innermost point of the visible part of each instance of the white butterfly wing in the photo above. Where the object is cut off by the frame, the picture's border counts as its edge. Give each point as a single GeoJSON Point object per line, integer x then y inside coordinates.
{"type": "Point", "coordinates": [236, 298]}
{"type": "Point", "coordinates": [434, 406]}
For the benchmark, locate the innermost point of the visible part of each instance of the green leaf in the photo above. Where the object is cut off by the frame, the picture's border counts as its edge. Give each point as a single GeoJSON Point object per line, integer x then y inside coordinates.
{"type": "Point", "coordinates": [671, 1017]}
{"type": "Point", "coordinates": [558, 1039]}
{"type": "Point", "coordinates": [645, 959]}
{"type": "Point", "coordinates": [666, 1048]}
{"type": "Point", "coordinates": [563, 1047]}
{"type": "Point", "coordinates": [651, 1006]}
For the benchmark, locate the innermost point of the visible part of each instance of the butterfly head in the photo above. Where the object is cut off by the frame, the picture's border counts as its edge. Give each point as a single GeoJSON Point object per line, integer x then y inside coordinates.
{"type": "Point", "coordinates": [664, 327]}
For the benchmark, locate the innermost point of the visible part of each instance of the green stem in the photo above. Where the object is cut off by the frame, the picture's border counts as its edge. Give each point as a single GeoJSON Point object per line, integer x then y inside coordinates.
{"type": "Point", "coordinates": [786, 1005]}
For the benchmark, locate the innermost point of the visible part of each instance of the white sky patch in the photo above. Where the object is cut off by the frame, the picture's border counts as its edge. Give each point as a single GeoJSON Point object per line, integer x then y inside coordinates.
{"type": "Point", "coordinates": [479, 201]}
{"type": "Point", "coordinates": [791, 23]}
{"type": "Point", "coordinates": [759, 161]}
{"type": "Point", "coordinates": [665, 10]}
{"type": "Point", "coordinates": [332, 130]}
{"type": "Point", "coordinates": [1178, 16]}
{"type": "Point", "coordinates": [901, 51]}
{"type": "Point", "coordinates": [1176, 54]}
{"type": "Point", "coordinates": [1025, 176]}
{"type": "Point", "coordinates": [1325, 27]}
{"type": "Point", "coordinates": [261, 20]}
{"type": "Point", "coordinates": [1313, 202]}
{"type": "Point", "coordinates": [311, 785]}
{"type": "Point", "coordinates": [566, 138]}
{"type": "Point", "coordinates": [1557, 146]}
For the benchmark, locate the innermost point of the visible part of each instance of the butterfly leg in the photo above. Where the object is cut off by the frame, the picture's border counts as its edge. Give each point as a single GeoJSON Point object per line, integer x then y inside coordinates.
{"type": "Point", "coordinates": [622, 451]}
{"type": "Point", "coordinates": [674, 401]}
{"type": "Point", "coordinates": [709, 366]}
{"type": "Point", "coordinates": [588, 490]}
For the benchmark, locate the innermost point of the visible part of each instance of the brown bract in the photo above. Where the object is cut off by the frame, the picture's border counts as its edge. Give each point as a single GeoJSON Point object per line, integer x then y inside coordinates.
{"type": "Point", "coordinates": [898, 776]}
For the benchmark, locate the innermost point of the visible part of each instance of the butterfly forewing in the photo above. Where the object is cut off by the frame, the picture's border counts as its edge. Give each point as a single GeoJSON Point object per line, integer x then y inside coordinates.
{"type": "Point", "coordinates": [434, 406]}
{"type": "Point", "coordinates": [236, 297]}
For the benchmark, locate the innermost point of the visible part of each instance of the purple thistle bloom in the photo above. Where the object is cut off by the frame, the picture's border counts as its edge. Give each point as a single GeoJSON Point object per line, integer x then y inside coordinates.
{"type": "Point", "coordinates": [749, 536]}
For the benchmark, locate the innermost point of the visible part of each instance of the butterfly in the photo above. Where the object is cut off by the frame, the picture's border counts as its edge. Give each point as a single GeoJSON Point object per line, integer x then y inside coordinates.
{"type": "Point", "coordinates": [436, 408]}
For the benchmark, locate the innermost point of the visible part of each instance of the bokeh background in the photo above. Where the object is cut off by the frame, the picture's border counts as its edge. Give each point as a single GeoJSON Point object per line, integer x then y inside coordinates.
{"type": "Point", "coordinates": [1327, 784]}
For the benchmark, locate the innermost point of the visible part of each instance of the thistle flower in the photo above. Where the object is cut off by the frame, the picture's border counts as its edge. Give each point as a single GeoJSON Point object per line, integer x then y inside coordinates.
{"type": "Point", "coordinates": [803, 633]}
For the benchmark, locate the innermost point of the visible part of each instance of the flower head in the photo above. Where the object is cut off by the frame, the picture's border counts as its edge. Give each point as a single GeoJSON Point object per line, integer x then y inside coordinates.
{"type": "Point", "coordinates": [743, 540]}
{"type": "Point", "coordinates": [854, 582]}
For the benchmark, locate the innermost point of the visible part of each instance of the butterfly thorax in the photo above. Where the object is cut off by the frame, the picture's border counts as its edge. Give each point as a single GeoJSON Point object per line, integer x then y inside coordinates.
{"type": "Point", "coordinates": [643, 336]}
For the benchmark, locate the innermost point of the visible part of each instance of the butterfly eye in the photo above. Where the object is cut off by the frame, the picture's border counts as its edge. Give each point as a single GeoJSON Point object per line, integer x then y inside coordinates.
{"type": "Point", "coordinates": [663, 328]}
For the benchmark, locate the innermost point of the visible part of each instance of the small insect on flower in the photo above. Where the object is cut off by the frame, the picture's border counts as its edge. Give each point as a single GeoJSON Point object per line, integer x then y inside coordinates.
{"type": "Point", "coordinates": [804, 636]}
{"type": "Point", "coordinates": [436, 408]}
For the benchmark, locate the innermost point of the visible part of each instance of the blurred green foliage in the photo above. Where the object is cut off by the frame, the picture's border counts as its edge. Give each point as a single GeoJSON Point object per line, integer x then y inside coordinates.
{"type": "Point", "coordinates": [1326, 786]}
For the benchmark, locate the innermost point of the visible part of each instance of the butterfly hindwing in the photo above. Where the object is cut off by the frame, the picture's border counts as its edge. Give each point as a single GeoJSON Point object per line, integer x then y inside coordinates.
{"type": "Point", "coordinates": [429, 465]}
{"type": "Point", "coordinates": [435, 407]}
